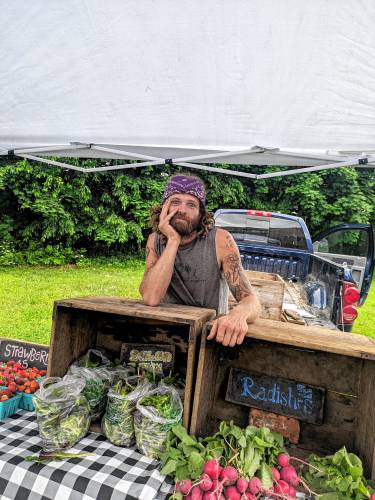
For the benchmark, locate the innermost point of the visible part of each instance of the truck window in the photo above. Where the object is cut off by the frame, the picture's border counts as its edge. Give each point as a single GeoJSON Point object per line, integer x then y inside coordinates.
{"type": "Point", "coordinates": [270, 231]}
{"type": "Point", "coordinates": [349, 242]}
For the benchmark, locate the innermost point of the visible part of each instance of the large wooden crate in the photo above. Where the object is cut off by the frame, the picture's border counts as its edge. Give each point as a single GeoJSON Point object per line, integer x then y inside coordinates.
{"type": "Point", "coordinates": [107, 322]}
{"type": "Point", "coordinates": [342, 364]}
{"type": "Point", "coordinates": [270, 289]}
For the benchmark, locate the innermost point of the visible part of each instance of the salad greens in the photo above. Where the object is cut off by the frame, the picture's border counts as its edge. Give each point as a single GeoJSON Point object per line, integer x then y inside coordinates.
{"type": "Point", "coordinates": [338, 477]}
{"type": "Point", "coordinates": [117, 423]}
{"type": "Point", "coordinates": [157, 412]}
{"type": "Point", "coordinates": [62, 412]}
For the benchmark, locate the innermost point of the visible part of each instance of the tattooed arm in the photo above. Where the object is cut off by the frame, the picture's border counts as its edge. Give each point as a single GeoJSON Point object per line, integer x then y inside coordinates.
{"type": "Point", "coordinates": [232, 328]}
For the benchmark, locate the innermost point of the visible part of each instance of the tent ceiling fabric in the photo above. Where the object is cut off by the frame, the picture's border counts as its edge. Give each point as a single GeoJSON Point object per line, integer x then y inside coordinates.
{"type": "Point", "coordinates": [180, 79]}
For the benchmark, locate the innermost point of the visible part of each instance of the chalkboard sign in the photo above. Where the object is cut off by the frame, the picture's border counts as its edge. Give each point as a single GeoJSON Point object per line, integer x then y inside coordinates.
{"type": "Point", "coordinates": [158, 357]}
{"type": "Point", "coordinates": [277, 395]}
{"type": "Point", "coordinates": [26, 353]}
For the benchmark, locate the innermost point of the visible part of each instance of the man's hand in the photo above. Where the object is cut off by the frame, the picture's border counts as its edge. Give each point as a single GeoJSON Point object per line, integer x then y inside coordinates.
{"type": "Point", "coordinates": [230, 329]}
{"type": "Point", "coordinates": [164, 222]}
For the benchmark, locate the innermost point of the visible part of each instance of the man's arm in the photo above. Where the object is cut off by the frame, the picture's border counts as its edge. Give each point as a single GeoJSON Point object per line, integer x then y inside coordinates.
{"type": "Point", "coordinates": [159, 270]}
{"type": "Point", "coordinates": [232, 328]}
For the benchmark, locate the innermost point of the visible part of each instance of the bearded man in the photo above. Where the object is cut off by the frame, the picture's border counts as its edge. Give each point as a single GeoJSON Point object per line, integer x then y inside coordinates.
{"type": "Point", "coordinates": [190, 261]}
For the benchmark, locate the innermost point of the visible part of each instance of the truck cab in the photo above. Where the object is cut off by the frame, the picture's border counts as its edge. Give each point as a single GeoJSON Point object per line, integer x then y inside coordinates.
{"type": "Point", "coordinates": [334, 268]}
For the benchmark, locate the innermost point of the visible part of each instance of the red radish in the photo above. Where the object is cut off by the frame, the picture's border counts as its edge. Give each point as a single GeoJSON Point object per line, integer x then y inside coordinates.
{"type": "Point", "coordinates": [231, 493]}
{"type": "Point", "coordinates": [293, 493]}
{"type": "Point", "coordinates": [289, 474]}
{"type": "Point", "coordinates": [248, 496]}
{"type": "Point", "coordinates": [196, 493]}
{"type": "Point", "coordinates": [184, 486]}
{"type": "Point", "coordinates": [282, 488]}
{"type": "Point", "coordinates": [269, 492]}
{"type": "Point", "coordinates": [283, 459]}
{"type": "Point", "coordinates": [275, 473]}
{"type": "Point", "coordinates": [242, 484]}
{"type": "Point", "coordinates": [255, 485]}
{"type": "Point", "coordinates": [372, 497]}
{"type": "Point", "coordinates": [228, 475]}
{"type": "Point", "coordinates": [205, 482]}
{"type": "Point", "coordinates": [211, 495]}
{"type": "Point", "coordinates": [212, 468]}
{"type": "Point", "coordinates": [187, 497]}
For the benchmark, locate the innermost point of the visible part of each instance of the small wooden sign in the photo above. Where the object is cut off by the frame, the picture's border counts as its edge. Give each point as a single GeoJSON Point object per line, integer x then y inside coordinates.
{"type": "Point", "coordinates": [26, 353]}
{"type": "Point", "coordinates": [158, 357]}
{"type": "Point", "coordinates": [277, 395]}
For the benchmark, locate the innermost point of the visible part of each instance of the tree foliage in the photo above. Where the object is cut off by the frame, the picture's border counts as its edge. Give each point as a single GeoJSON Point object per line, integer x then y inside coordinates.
{"type": "Point", "coordinates": [52, 216]}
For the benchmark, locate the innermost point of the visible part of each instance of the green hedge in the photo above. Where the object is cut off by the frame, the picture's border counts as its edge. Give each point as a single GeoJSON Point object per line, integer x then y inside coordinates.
{"type": "Point", "coordinates": [54, 216]}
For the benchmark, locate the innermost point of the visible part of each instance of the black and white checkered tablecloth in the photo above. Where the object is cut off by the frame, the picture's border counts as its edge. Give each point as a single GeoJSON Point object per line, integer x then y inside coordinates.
{"type": "Point", "coordinates": [113, 473]}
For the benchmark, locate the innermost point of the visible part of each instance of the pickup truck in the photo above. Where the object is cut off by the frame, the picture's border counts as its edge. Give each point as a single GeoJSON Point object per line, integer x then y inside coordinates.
{"type": "Point", "coordinates": [330, 274]}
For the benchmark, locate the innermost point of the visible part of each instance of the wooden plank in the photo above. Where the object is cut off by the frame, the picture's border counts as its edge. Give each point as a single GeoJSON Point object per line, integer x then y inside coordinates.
{"type": "Point", "coordinates": [72, 336]}
{"type": "Point", "coordinates": [313, 337]}
{"type": "Point", "coordinates": [174, 313]}
{"type": "Point", "coordinates": [204, 395]}
{"type": "Point", "coordinates": [365, 421]}
{"type": "Point", "coordinates": [26, 353]}
{"type": "Point", "coordinates": [312, 367]}
{"type": "Point", "coordinates": [275, 394]}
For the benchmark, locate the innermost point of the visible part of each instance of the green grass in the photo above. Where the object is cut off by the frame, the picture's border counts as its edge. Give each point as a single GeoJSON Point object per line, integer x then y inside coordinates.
{"type": "Point", "coordinates": [27, 295]}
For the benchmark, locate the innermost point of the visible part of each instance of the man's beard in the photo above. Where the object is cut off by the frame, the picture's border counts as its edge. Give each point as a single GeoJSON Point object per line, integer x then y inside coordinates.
{"type": "Point", "coordinates": [184, 227]}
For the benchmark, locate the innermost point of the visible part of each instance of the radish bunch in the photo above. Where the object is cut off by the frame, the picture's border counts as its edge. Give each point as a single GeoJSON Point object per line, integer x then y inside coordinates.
{"type": "Point", "coordinates": [226, 483]}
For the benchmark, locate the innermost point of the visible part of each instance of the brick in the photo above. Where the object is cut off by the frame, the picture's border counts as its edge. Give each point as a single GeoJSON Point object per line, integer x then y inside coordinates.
{"type": "Point", "coordinates": [287, 426]}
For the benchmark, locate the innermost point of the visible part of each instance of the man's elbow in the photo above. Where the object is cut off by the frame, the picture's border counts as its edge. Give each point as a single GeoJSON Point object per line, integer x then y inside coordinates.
{"type": "Point", "coordinates": [149, 299]}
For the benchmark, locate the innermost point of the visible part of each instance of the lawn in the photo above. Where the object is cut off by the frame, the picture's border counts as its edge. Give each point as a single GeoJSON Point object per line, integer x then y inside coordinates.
{"type": "Point", "coordinates": [27, 295]}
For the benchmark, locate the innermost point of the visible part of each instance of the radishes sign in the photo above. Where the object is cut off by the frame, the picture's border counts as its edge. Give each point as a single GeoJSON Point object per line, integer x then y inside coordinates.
{"type": "Point", "coordinates": [26, 353]}
{"type": "Point", "coordinates": [277, 395]}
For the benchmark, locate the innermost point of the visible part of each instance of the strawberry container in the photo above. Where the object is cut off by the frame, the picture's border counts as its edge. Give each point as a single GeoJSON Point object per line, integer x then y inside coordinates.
{"type": "Point", "coordinates": [10, 406]}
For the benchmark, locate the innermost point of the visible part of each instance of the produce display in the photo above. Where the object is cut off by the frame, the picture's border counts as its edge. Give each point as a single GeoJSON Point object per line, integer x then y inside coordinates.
{"type": "Point", "coordinates": [117, 423]}
{"type": "Point", "coordinates": [245, 464]}
{"type": "Point", "coordinates": [19, 379]}
{"type": "Point", "coordinates": [157, 412]}
{"type": "Point", "coordinates": [338, 477]}
{"type": "Point", "coordinates": [62, 412]}
{"type": "Point", "coordinates": [93, 367]}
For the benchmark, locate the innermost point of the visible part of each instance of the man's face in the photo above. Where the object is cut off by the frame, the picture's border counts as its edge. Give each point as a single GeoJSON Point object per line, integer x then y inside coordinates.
{"type": "Point", "coordinates": [186, 220]}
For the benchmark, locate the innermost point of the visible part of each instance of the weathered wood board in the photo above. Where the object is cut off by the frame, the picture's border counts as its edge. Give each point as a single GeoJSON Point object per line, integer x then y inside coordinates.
{"type": "Point", "coordinates": [109, 322]}
{"type": "Point", "coordinates": [342, 364]}
{"type": "Point", "coordinates": [270, 290]}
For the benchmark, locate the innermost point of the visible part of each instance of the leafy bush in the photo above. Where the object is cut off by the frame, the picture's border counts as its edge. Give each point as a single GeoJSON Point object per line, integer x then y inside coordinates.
{"type": "Point", "coordinates": [54, 216]}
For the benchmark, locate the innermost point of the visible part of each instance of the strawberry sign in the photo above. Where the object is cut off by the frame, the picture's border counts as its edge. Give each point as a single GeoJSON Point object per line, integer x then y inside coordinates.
{"type": "Point", "coordinates": [26, 354]}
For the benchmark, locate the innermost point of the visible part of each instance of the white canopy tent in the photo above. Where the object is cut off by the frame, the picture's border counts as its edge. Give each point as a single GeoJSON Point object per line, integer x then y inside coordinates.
{"type": "Point", "coordinates": [252, 82]}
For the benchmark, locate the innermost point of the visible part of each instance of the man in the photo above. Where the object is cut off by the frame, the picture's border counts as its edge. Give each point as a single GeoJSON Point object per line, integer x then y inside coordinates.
{"type": "Point", "coordinates": [190, 261]}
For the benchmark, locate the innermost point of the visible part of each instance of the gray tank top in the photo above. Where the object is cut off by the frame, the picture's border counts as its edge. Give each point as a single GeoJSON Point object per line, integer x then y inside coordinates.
{"type": "Point", "coordinates": [197, 279]}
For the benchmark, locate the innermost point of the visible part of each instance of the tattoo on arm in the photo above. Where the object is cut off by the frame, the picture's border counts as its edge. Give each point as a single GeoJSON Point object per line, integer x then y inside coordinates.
{"type": "Point", "coordinates": [234, 274]}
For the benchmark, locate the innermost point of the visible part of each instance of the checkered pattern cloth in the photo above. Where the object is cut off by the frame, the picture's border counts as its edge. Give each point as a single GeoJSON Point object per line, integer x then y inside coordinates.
{"type": "Point", "coordinates": [112, 473]}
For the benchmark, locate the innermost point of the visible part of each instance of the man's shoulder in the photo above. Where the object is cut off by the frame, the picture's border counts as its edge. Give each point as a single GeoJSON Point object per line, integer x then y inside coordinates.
{"type": "Point", "coordinates": [223, 236]}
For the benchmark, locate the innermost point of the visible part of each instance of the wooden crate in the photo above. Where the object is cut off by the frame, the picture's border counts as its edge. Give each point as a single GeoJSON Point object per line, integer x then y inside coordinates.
{"type": "Point", "coordinates": [342, 364]}
{"type": "Point", "coordinates": [107, 322]}
{"type": "Point", "coordinates": [270, 289]}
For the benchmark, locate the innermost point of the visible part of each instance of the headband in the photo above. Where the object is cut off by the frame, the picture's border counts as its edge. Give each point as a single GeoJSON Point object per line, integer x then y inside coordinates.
{"type": "Point", "coordinates": [184, 184]}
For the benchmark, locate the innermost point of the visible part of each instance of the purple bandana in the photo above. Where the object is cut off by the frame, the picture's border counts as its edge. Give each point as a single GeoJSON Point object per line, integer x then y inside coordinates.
{"type": "Point", "coordinates": [184, 184]}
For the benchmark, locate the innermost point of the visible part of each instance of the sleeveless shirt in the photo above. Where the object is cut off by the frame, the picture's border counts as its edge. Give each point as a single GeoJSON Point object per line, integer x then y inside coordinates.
{"type": "Point", "coordinates": [197, 279]}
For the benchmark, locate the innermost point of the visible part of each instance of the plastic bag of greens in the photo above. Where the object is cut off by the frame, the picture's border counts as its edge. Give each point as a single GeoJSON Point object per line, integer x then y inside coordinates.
{"type": "Point", "coordinates": [94, 368]}
{"type": "Point", "coordinates": [62, 412]}
{"type": "Point", "coordinates": [117, 423]}
{"type": "Point", "coordinates": [157, 412]}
